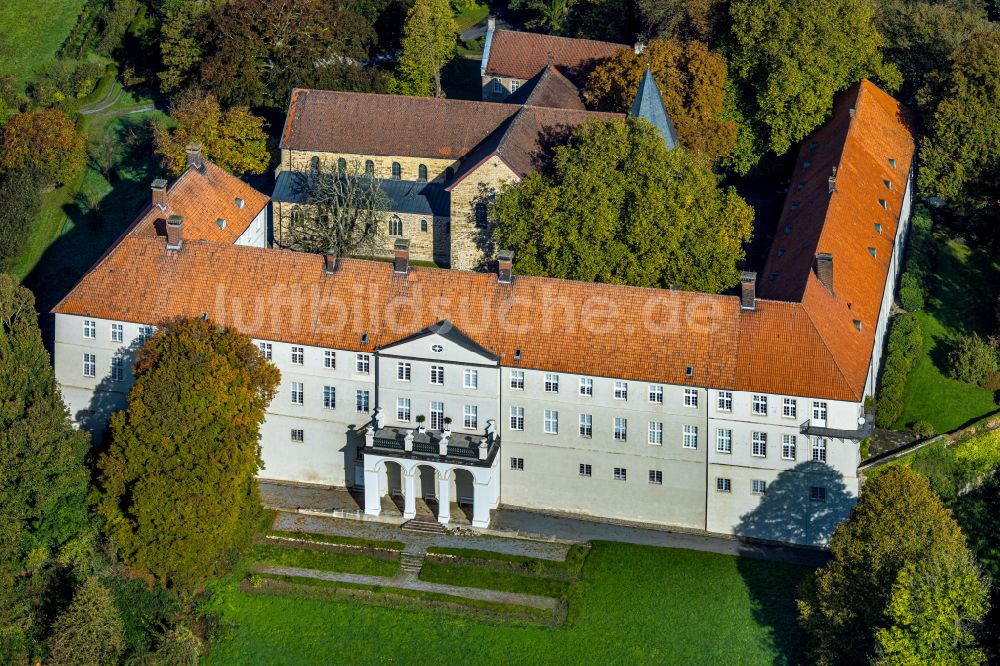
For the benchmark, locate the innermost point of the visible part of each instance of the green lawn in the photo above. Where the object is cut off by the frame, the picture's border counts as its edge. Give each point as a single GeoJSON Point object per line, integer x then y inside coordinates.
{"type": "Point", "coordinates": [322, 560]}
{"type": "Point", "coordinates": [31, 33]}
{"type": "Point", "coordinates": [491, 579]}
{"type": "Point", "coordinates": [470, 16]}
{"type": "Point", "coordinates": [963, 289]}
{"type": "Point", "coordinates": [634, 605]}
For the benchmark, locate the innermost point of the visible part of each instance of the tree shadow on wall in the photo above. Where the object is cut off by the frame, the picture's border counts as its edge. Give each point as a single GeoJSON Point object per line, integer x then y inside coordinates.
{"type": "Point", "coordinates": [790, 512]}
{"type": "Point", "coordinates": [110, 395]}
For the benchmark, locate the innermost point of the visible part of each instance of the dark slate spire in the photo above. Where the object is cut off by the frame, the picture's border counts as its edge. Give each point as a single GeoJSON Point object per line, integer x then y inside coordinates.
{"type": "Point", "coordinates": [648, 104]}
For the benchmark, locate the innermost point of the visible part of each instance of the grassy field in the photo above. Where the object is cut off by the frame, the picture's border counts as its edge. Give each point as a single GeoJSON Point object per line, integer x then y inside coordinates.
{"type": "Point", "coordinates": [31, 33]}
{"type": "Point", "coordinates": [961, 300]}
{"type": "Point", "coordinates": [470, 16]}
{"type": "Point", "coordinates": [634, 605]}
{"type": "Point", "coordinates": [322, 560]}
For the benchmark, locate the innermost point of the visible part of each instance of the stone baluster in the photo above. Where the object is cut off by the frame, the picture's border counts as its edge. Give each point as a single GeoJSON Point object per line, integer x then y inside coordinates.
{"type": "Point", "coordinates": [443, 443]}
{"type": "Point", "coordinates": [369, 437]}
{"type": "Point", "coordinates": [408, 441]}
{"type": "Point", "coordinates": [483, 448]}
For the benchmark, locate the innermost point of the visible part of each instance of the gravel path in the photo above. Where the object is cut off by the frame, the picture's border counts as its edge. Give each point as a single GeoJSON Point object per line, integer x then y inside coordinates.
{"type": "Point", "coordinates": [407, 583]}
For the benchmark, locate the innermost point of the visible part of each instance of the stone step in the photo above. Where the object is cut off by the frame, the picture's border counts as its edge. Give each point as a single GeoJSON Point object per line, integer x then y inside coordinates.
{"type": "Point", "coordinates": [411, 562]}
{"type": "Point", "coordinates": [424, 526]}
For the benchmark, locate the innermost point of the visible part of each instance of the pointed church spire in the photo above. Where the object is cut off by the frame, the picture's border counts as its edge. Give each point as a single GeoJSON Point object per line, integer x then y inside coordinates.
{"type": "Point", "coordinates": [648, 104]}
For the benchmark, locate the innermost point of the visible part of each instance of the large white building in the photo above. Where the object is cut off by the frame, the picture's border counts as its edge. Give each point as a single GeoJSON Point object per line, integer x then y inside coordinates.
{"type": "Point", "coordinates": [736, 414]}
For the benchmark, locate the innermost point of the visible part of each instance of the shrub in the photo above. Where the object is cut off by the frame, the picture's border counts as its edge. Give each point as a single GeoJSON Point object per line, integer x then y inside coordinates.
{"type": "Point", "coordinates": [911, 292]}
{"type": "Point", "coordinates": [972, 360]}
{"type": "Point", "coordinates": [922, 429]}
{"type": "Point", "coordinates": [20, 203]}
{"type": "Point", "coordinates": [905, 344]}
{"type": "Point", "coordinates": [865, 448]}
{"type": "Point", "coordinates": [90, 631]}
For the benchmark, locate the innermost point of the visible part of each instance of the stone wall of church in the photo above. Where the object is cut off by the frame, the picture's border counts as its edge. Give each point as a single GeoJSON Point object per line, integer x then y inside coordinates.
{"type": "Point", "coordinates": [468, 240]}
{"type": "Point", "coordinates": [301, 160]}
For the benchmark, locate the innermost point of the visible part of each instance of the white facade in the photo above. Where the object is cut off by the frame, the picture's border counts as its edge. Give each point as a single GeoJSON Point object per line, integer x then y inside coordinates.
{"type": "Point", "coordinates": [256, 234]}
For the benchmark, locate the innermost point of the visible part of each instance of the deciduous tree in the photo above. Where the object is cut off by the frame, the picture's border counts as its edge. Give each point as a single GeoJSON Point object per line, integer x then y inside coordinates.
{"type": "Point", "coordinates": [898, 521]}
{"type": "Point", "coordinates": [20, 203]}
{"type": "Point", "coordinates": [183, 42]}
{"type": "Point", "coordinates": [791, 58]}
{"type": "Point", "coordinates": [234, 139]}
{"type": "Point", "coordinates": [45, 141]}
{"type": "Point", "coordinates": [177, 486]}
{"type": "Point", "coordinates": [548, 15]}
{"type": "Point", "coordinates": [653, 218]}
{"type": "Point", "coordinates": [89, 632]}
{"type": "Point", "coordinates": [692, 81]}
{"type": "Point", "coordinates": [699, 20]}
{"type": "Point", "coordinates": [428, 45]}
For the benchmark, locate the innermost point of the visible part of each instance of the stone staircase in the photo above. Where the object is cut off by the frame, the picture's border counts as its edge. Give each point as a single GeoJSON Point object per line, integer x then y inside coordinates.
{"type": "Point", "coordinates": [410, 563]}
{"type": "Point", "coordinates": [422, 526]}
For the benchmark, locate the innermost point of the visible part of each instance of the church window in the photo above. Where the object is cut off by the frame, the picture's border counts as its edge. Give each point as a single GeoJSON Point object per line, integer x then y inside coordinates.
{"type": "Point", "coordinates": [369, 168]}
{"type": "Point", "coordinates": [481, 214]}
{"type": "Point", "coordinates": [395, 226]}
{"type": "Point", "coordinates": [422, 172]}
{"type": "Point", "coordinates": [341, 165]}
{"type": "Point", "coordinates": [314, 163]}
{"type": "Point", "coordinates": [423, 226]}
{"type": "Point", "coordinates": [397, 171]}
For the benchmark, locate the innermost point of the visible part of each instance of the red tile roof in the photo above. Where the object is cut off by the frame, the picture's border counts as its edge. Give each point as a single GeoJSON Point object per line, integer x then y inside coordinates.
{"type": "Point", "coordinates": [548, 88]}
{"type": "Point", "coordinates": [202, 197]}
{"type": "Point", "coordinates": [521, 55]}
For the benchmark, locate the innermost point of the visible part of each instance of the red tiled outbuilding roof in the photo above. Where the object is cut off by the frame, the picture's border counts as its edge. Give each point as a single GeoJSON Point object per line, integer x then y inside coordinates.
{"type": "Point", "coordinates": [521, 55]}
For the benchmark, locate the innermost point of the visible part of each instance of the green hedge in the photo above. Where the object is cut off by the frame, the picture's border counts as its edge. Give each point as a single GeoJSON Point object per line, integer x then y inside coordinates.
{"type": "Point", "coordinates": [919, 262]}
{"type": "Point", "coordinates": [905, 344]}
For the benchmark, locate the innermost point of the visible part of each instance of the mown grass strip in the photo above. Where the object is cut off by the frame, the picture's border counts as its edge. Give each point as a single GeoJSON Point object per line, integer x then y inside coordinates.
{"type": "Point", "coordinates": [491, 579]}
{"type": "Point", "coordinates": [322, 560]}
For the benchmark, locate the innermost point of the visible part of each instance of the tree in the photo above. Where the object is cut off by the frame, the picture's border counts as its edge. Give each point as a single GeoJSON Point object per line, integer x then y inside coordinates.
{"type": "Point", "coordinates": [115, 20]}
{"type": "Point", "coordinates": [45, 141]}
{"type": "Point", "coordinates": [935, 607]}
{"type": "Point", "coordinates": [654, 217]}
{"type": "Point", "coordinates": [547, 15]}
{"type": "Point", "coordinates": [184, 32]}
{"type": "Point", "coordinates": [684, 20]}
{"type": "Point", "coordinates": [233, 139]}
{"type": "Point", "coordinates": [90, 632]}
{"type": "Point", "coordinates": [43, 478]}
{"type": "Point", "coordinates": [343, 213]}
{"type": "Point", "coordinates": [176, 486]}
{"type": "Point", "coordinates": [428, 45]}
{"type": "Point", "coordinates": [791, 58]}
{"type": "Point", "coordinates": [898, 521]}
{"type": "Point", "coordinates": [20, 203]}
{"type": "Point", "coordinates": [960, 157]}
{"type": "Point", "coordinates": [972, 360]}
{"type": "Point", "coordinates": [261, 49]}
{"type": "Point", "coordinates": [106, 153]}
{"type": "Point", "coordinates": [692, 81]}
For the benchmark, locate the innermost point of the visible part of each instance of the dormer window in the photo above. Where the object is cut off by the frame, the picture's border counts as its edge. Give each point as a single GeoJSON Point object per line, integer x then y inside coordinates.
{"type": "Point", "coordinates": [795, 205]}
{"type": "Point", "coordinates": [781, 251]}
{"type": "Point", "coordinates": [806, 164]}
{"type": "Point", "coordinates": [788, 229]}
{"type": "Point", "coordinates": [812, 145]}
{"type": "Point", "coordinates": [871, 251]}
{"type": "Point", "coordinates": [239, 203]}
{"type": "Point", "coordinates": [888, 184]}
{"type": "Point", "coordinates": [878, 228]}
{"type": "Point", "coordinates": [883, 203]}
{"type": "Point", "coordinates": [892, 163]}
{"type": "Point", "coordinates": [801, 184]}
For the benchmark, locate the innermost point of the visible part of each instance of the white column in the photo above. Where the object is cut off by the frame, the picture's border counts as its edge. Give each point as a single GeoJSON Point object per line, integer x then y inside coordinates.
{"type": "Point", "coordinates": [480, 504]}
{"type": "Point", "coordinates": [373, 498]}
{"type": "Point", "coordinates": [410, 493]}
{"type": "Point", "coordinates": [444, 497]}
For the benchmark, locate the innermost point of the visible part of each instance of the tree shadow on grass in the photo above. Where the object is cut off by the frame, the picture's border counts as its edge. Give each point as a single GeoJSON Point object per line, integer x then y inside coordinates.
{"type": "Point", "coordinates": [790, 512]}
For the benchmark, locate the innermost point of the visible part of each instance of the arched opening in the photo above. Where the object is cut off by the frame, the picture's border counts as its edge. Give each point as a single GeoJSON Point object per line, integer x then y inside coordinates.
{"type": "Point", "coordinates": [395, 226]}
{"type": "Point", "coordinates": [341, 165]}
{"type": "Point", "coordinates": [369, 168]}
{"type": "Point", "coordinates": [426, 487]}
{"type": "Point", "coordinates": [394, 482]}
{"type": "Point", "coordinates": [422, 172]}
{"type": "Point", "coordinates": [464, 494]}
{"type": "Point", "coordinates": [397, 171]}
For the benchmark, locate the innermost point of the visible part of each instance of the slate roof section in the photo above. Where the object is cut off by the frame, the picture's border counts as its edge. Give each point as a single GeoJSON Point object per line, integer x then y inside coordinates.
{"type": "Point", "coordinates": [548, 88]}
{"type": "Point", "coordinates": [405, 196]}
{"type": "Point", "coordinates": [648, 104]}
{"type": "Point", "coordinates": [202, 197]}
{"type": "Point", "coordinates": [522, 55]}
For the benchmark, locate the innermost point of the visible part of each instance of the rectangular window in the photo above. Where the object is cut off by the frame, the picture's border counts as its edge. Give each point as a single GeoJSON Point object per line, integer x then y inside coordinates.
{"type": "Point", "coordinates": [470, 378]}
{"type": "Point", "coordinates": [819, 449]}
{"type": "Point", "coordinates": [297, 393]}
{"type": "Point", "coordinates": [517, 464]}
{"type": "Point", "coordinates": [89, 328]}
{"type": "Point", "coordinates": [298, 355]}
{"type": "Point", "coordinates": [656, 477]}
{"type": "Point", "coordinates": [298, 436]}
{"type": "Point", "coordinates": [724, 440]}
{"type": "Point", "coordinates": [551, 382]}
{"type": "Point", "coordinates": [656, 433]}
{"type": "Point", "coordinates": [403, 409]}
{"type": "Point", "coordinates": [437, 375]}
{"type": "Point", "coordinates": [517, 418]}
{"type": "Point", "coordinates": [513, 85]}
{"type": "Point", "coordinates": [362, 363]}
{"type": "Point", "coordinates": [497, 86]}
{"type": "Point", "coordinates": [690, 437]}
{"type": "Point", "coordinates": [725, 401]}
{"type": "Point", "coordinates": [265, 350]}
{"type": "Point", "coordinates": [758, 487]}
{"type": "Point", "coordinates": [690, 397]}
{"type": "Point", "coordinates": [586, 425]}
{"type": "Point", "coordinates": [760, 405]}
{"type": "Point", "coordinates": [402, 371]}
{"type": "Point", "coordinates": [470, 415]}
{"type": "Point", "coordinates": [145, 333]}
{"type": "Point", "coordinates": [117, 333]}
{"type": "Point", "coordinates": [788, 447]}
{"type": "Point", "coordinates": [819, 411]}
{"type": "Point", "coordinates": [517, 379]}
{"type": "Point", "coordinates": [758, 445]}
{"type": "Point", "coordinates": [656, 393]}
{"type": "Point", "coordinates": [551, 422]}
{"type": "Point", "coordinates": [621, 429]}
{"type": "Point", "coordinates": [586, 386]}
{"type": "Point", "coordinates": [817, 493]}
{"type": "Point", "coordinates": [620, 473]}
{"type": "Point", "coordinates": [723, 485]}
{"type": "Point", "coordinates": [789, 408]}
{"type": "Point", "coordinates": [329, 397]}
{"type": "Point", "coordinates": [437, 416]}
{"type": "Point", "coordinates": [361, 401]}
{"type": "Point", "coordinates": [89, 365]}
{"type": "Point", "coordinates": [586, 470]}
{"type": "Point", "coordinates": [117, 368]}
{"type": "Point", "coordinates": [621, 390]}
{"type": "Point", "coordinates": [329, 359]}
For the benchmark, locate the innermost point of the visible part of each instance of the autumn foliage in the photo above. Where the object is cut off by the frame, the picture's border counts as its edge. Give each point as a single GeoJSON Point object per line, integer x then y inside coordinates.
{"type": "Point", "coordinates": [44, 141]}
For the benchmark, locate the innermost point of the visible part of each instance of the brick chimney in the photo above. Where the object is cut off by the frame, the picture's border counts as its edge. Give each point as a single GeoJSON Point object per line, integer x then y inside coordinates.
{"type": "Point", "coordinates": [174, 225]}
{"type": "Point", "coordinates": [159, 187]}
{"type": "Point", "coordinates": [748, 290]}
{"type": "Point", "coordinates": [505, 266]}
{"type": "Point", "coordinates": [824, 269]}
{"type": "Point", "coordinates": [330, 261]}
{"type": "Point", "coordinates": [194, 157]}
{"type": "Point", "coordinates": [401, 265]}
